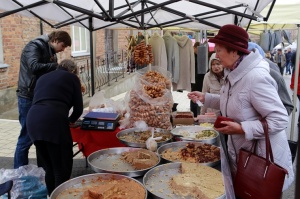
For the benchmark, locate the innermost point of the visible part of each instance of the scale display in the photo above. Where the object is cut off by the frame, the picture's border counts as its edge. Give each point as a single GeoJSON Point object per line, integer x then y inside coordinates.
{"type": "Point", "coordinates": [100, 121]}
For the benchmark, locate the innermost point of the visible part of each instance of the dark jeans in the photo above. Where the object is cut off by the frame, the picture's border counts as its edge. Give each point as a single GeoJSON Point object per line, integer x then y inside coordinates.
{"type": "Point", "coordinates": [57, 161]}
{"type": "Point", "coordinates": [24, 142]}
{"type": "Point", "coordinates": [288, 67]}
{"type": "Point", "coordinates": [281, 68]}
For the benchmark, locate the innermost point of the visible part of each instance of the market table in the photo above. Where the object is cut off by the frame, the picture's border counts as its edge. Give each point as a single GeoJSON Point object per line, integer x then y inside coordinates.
{"type": "Point", "coordinates": [90, 141]}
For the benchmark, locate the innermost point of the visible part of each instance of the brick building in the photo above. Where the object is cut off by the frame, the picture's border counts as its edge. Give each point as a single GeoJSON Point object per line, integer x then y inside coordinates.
{"type": "Point", "coordinates": [17, 30]}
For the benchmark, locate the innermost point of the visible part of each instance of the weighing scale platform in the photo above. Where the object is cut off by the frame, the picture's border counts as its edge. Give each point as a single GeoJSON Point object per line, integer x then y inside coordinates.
{"type": "Point", "coordinates": [100, 121]}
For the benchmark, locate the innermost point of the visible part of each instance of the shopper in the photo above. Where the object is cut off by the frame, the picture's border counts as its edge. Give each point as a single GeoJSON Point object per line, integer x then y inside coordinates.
{"type": "Point", "coordinates": [275, 74]}
{"type": "Point", "coordinates": [288, 58]}
{"type": "Point", "coordinates": [249, 94]}
{"type": "Point", "coordinates": [213, 81]}
{"type": "Point", "coordinates": [38, 58]}
{"type": "Point", "coordinates": [279, 59]}
{"type": "Point", "coordinates": [48, 121]}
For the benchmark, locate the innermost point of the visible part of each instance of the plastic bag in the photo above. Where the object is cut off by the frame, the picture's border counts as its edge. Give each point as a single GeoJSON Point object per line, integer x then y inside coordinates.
{"type": "Point", "coordinates": [97, 101]}
{"type": "Point", "coordinates": [151, 143]}
{"type": "Point", "coordinates": [28, 182]}
{"type": "Point", "coordinates": [151, 100]}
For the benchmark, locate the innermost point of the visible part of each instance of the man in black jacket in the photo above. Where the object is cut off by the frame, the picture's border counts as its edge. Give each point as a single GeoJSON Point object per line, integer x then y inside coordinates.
{"type": "Point", "coordinates": [38, 57]}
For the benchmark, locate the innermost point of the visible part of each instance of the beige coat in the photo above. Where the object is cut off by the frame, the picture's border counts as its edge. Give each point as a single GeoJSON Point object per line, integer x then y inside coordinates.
{"type": "Point", "coordinates": [186, 64]}
{"type": "Point", "coordinates": [158, 50]}
{"type": "Point", "coordinates": [282, 57]}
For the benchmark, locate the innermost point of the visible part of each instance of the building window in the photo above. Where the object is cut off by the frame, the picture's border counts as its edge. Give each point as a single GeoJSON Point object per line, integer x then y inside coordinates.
{"type": "Point", "coordinates": [80, 41]}
{"type": "Point", "coordinates": [3, 66]}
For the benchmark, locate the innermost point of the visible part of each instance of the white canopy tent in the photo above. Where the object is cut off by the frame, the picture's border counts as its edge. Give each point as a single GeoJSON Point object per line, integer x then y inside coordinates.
{"type": "Point", "coordinates": [138, 14]}
{"type": "Point", "coordinates": [284, 15]}
{"type": "Point", "coordinates": [293, 46]}
{"type": "Point", "coordinates": [142, 14]}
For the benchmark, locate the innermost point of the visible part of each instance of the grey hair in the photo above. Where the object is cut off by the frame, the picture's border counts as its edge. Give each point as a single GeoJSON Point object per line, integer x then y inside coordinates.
{"type": "Point", "coordinates": [69, 65]}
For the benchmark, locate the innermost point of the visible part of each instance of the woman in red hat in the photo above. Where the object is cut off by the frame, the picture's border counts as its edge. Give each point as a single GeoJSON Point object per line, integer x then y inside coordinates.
{"type": "Point", "coordinates": [249, 93]}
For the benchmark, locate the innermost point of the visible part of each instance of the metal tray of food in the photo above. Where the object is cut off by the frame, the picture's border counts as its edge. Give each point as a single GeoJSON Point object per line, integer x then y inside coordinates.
{"type": "Point", "coordinates": [109, 161]}
{"type": "Point", "coordinates": [157, 182]}
{"type": "Point", "coordinates": [134, 137]}
{"type": "Point", "coordinates": [177, 146]}
{"type": "Point", "coordinates": [196, 133]}
{"type": "Point", "coordinates": [74, 188]}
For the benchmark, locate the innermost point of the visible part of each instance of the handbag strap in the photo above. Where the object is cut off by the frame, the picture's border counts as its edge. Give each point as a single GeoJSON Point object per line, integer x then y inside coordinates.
{"type": "Point", "coordinates": [269, 153]}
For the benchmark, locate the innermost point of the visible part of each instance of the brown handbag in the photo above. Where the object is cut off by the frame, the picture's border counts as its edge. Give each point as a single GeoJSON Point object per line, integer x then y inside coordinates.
{"type": "Point", "coordinates": [258, 177]}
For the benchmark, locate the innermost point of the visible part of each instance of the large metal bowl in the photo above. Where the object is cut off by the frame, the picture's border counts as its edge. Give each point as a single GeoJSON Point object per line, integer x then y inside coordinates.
{"type": "Point", "coordinates": [176, 146]}
{"type": "Point", "coordinates": [157, 181]}
{"type": "Point", "coordinates": [67, 187]}
{"type": "Point", "coordinates": [192, 131]}
{"type": "Point", "coordinates": [108, 161]}
{"type": "Point", "coordinates": [132, 131]}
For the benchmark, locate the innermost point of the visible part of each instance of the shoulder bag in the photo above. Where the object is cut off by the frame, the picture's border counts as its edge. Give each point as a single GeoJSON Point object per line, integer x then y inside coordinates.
{"type": "Point", "coordinates": [258, 177]}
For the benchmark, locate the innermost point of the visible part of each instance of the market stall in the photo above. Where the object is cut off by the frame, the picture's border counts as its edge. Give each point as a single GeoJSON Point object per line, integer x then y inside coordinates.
{"type": "Point", "coordinates": [124, 151]}
{"type": "Point", "coordinates": [151, 100]}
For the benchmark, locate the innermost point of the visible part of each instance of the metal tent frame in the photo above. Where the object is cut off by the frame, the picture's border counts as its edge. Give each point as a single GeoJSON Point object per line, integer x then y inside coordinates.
{"type": "Point", "coordinates": [126, 14]}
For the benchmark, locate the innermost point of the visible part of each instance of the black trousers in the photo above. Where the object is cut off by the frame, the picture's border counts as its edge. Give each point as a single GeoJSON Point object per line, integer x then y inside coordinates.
{"type": "Point", "coordinates": [281, 68]}
{"type": "Point", "coordinates": [57, 161]}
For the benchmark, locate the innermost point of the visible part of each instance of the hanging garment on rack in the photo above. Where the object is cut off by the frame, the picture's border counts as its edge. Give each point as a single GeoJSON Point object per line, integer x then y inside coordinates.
{"type": "Point", "coordinates": [186, 64]}
{"type": "Point", "coordinates": [265, 41]}
{"type": "Point", "coordinates": [287, 36]}
{"type": "Point", "coordinates": [172, 50]}
{"type": "Point", "coordinates": [276, 39]}
{"type": "Point", "coordinates": [202, 58]}
{"type": "Point", "coordinates": [158, 50]}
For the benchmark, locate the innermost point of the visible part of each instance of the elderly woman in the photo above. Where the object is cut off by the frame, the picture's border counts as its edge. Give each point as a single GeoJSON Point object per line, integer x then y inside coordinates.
{"type": "Point", "coordinates": [213, 81]}
{"type": "Point", "coordinates": [249, 93]}
{"type": "Point", "coordinates": [48, 121]}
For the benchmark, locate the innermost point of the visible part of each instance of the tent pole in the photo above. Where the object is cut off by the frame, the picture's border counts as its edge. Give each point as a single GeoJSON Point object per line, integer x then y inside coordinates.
{"type": "Point", "coordinates": [92, 55]}
{"type": "Point", "coordinates": [296, 74]}
{"type": "Point", "coordinates": [297, 181]}
{"type": "Point", "coordinates": [147, 9]}
{"type": "Point", "coordinates": [39, 3]}
{"type": "Point", "coordinates": [143, 16]}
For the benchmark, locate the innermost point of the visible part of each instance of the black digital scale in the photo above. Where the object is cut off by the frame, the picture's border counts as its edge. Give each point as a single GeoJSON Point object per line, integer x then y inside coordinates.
{"type": "Point", "coordinates": [100, 121]}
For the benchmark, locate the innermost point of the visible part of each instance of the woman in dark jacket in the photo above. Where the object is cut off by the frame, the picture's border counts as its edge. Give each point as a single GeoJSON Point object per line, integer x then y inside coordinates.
{"type": "Point", "coordinates": [48, 121]}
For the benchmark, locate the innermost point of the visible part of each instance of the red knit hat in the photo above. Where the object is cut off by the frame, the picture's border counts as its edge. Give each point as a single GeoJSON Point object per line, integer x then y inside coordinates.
{"type": "Point", "coordinates": [232, 36]}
